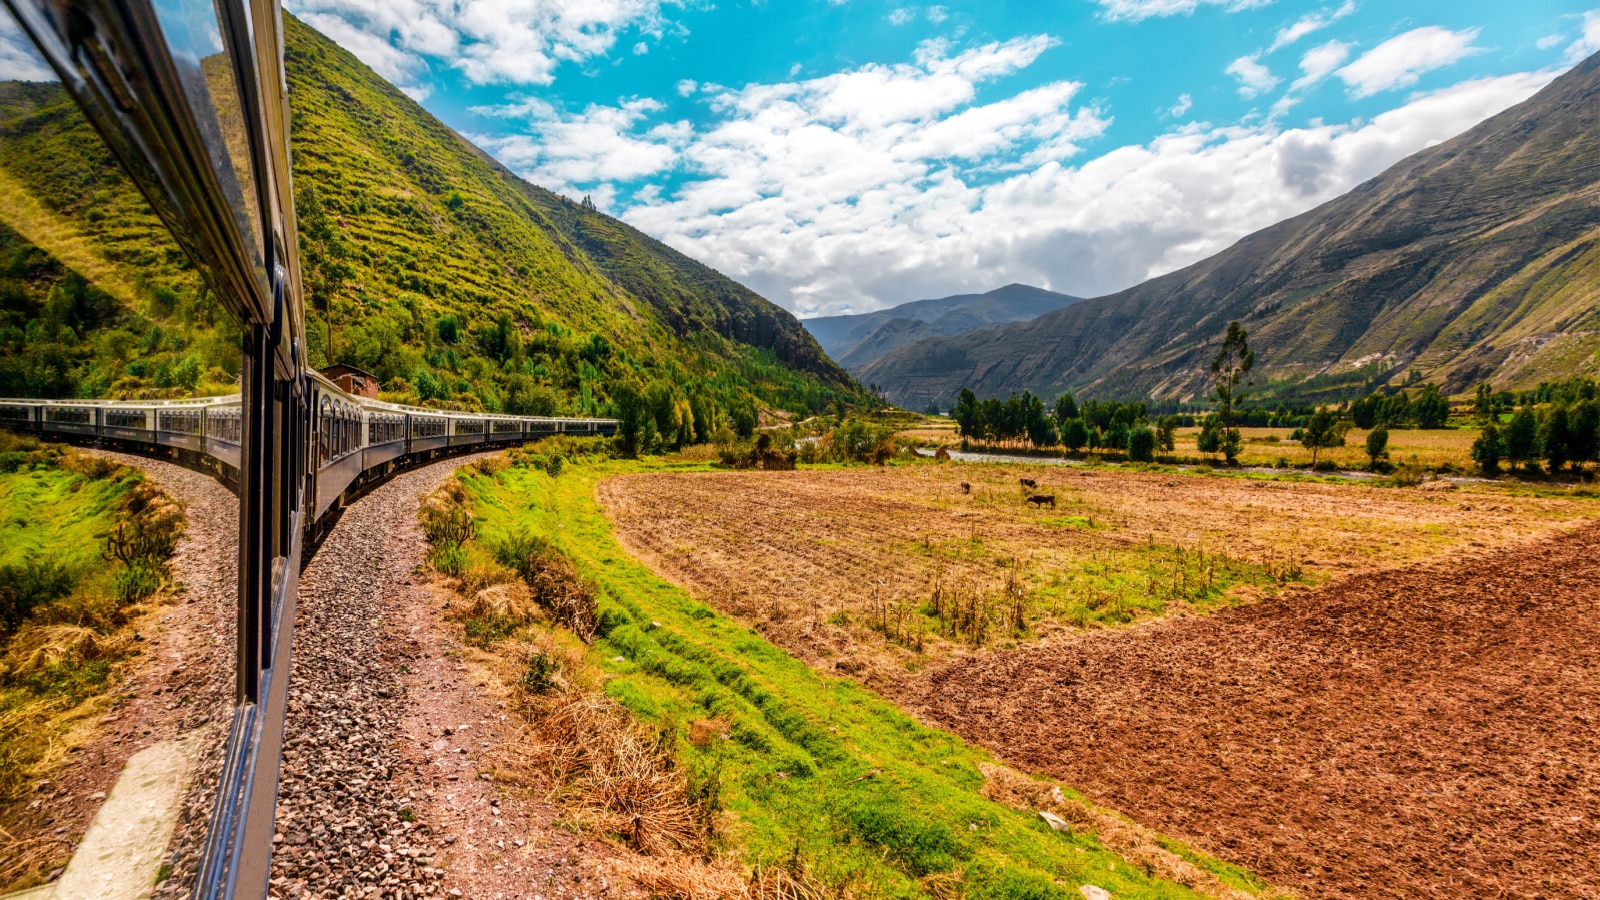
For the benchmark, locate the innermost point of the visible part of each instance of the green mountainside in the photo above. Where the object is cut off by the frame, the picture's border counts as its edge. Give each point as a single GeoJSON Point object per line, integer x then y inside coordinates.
{"type": "Point", "coordinates": [425, 262]}
{"type": "Point", "coordinates": [1477, 259]}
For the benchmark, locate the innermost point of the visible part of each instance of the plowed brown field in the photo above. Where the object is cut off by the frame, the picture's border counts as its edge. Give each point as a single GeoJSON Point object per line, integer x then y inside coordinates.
{"type": "Point", "coordinates": [1429, 732]}
{"type": "Point", "coordinates": [804, 556]}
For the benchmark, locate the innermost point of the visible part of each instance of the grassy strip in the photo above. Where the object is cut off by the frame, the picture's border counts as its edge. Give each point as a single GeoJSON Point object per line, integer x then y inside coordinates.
{"type": "Point", "coordinates": [66, 612]}
{"type": "Point", "coordinates": [807, 765]}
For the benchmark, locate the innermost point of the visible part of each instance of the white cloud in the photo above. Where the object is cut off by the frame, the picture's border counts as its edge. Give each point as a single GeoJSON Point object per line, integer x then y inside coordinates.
{"type": "Point", "coordinates": [817, 204]}
{"type": "Point", "coordinates": [1309, 23]}
{"type": "Point", "coordinates": [1400, 61]}
{"type": "Point", "coordinates": [1139, 10]}
{"type": "Point", "coordinates": [18, 60]}
{"type": "Point", "coordinates": [686, 87]}
{"type": "Point", "coordinates": [1319, 62]}
{"type": "Point", "coordinates": [641, 48]}
{"type": "Point", "coordinates": [1588, 42]}
{"type": "Point", "coordinates": [1548, 41]}
{"type": "Point", "coordinates": [565, 153]}
{"type": "Point", "coordinates": [1254, 78]}
{"type": "Point", "coordinates": [937, 14]}
{"type": "Point", "coordinates": [1182, 107]}
{"type": "Point", "coordinates": [902, 16]}
{"type": "Point", "coordinates": [490, 41]}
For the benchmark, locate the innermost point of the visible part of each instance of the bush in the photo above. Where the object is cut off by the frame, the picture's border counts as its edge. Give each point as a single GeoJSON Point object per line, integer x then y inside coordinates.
{"type": "Point", "coordinates": [539, 677]}
{"type": "Point", "coordinates": [1377, 445]}
{"type": "Point", "coordinates": [556, 586]}
{"type": "Point", "coordinates": [449, 558]}
{"type": "Point", "coordinates": [138, 581]}
{"type": "Point", "coordinates": [31, 585]}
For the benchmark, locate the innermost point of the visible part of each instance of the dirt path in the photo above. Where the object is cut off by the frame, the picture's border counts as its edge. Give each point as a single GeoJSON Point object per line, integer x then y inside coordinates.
{"type": "Point", "coordinates": [388, 734]}
{"type": "Point", "coordinates": [1432, 732]}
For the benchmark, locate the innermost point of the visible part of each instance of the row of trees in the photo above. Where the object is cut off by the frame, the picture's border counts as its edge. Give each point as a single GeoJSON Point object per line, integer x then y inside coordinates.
{"type": "Point", "coordinates": [1561, 435]}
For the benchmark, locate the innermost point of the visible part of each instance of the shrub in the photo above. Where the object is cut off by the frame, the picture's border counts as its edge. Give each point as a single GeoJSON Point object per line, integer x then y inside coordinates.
{"type": "Point", "coordinates": [31, 585]}
{"type": "Point", "coordinates": [539, 676]}
{"type": "Point", "coordinates": [555, 584]}
{"type": "Point", "coordinates": [449, 558]}
{"type": "Point", "coordinates": [138, 581]}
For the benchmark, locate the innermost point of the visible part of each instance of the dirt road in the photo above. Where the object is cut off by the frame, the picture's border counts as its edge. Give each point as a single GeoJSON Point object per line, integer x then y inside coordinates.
{"type": "Point", "coordinates": [1431, 732]}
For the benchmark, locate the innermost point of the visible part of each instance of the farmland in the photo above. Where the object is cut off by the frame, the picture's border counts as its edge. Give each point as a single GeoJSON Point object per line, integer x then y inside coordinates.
{"type": "Point", "coordinates": [841, 567]}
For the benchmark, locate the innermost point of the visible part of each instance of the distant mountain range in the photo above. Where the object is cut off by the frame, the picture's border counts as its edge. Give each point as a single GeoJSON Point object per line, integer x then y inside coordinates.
{"type": "Point", "coordinates": [853, 341]}
{"type": "Point", "coordinates": [1477, 259]}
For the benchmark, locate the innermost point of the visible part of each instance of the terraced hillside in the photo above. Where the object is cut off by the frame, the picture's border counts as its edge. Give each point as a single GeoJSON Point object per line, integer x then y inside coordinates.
{"type": "Point", "coordinates": [1477, 259]}
{"type": "Point", "coordinates": [425, 262]}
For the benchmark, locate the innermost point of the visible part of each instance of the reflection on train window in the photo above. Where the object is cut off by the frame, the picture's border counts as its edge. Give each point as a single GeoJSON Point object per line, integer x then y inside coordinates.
{"type": "Point", "coordinates": [108, 326]}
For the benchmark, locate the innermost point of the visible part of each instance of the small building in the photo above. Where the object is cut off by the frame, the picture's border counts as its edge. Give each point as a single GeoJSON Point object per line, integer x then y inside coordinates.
{"type": "Point", "coordinates": [352, 380]}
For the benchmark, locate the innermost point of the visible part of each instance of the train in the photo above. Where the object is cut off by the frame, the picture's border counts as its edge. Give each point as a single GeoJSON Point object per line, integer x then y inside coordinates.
{"type": "Point", "coordinates": [354, 442]}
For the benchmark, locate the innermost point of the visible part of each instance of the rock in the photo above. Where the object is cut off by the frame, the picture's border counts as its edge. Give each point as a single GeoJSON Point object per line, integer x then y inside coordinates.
{"type": "Point", "coordinates": [1055, 822]}
{"type": "Point", "coordinates": [1055, 795]}
{"type": "Point", "coordinates": [1091, 892]}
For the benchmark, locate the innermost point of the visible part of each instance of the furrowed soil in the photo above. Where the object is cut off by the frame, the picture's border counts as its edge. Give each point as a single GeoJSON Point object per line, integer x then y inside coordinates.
{"type": "Point", "coordinates": [1417, 713]}
{"type": "Point", "coordinates": [1428, 732]}
{"type": "Point", "coordinates": [819, 560]}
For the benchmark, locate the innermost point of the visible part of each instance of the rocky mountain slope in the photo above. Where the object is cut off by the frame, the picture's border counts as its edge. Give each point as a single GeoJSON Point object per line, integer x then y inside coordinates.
{"type": "Point", "coordinates": [856, 340]}
{"type": "Point", "coordinates": [1476, 259]}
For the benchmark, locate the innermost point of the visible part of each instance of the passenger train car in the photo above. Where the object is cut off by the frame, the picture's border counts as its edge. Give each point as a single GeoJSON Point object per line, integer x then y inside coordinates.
{"type": "Point", "coordinates": [354, 441]}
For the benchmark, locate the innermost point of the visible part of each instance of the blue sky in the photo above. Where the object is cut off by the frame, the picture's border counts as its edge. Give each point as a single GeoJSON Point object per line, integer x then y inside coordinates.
{"type": "Point", "coordinates": [844, 155]}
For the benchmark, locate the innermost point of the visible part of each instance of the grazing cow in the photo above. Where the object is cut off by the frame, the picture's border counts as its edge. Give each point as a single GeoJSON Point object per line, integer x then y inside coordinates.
{"type": "Point", "coordinates": [1043, 500]}
{"type": "Point", "coordinates": [1028, 483]}
{"type": "Point", "coordinates": [966, 488]}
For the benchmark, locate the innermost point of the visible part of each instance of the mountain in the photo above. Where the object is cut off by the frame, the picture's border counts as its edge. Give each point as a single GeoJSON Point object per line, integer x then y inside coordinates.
{"type": "Point", "coordinates": [454, 281]}
{"type": "Point", "coordinates": [1476, 259]}
{"type": "Point", "coordinates": [857, 340]}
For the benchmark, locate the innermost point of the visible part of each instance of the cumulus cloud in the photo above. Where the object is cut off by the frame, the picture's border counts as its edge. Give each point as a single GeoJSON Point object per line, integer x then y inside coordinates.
{"type": "Point", "coordinates": [1309, 23]}
{"type": "Point", "coordinates": [902, 16]}
{"type": "Point", "coordinates": [1588, 42]}
{"type": "Point", "coordinates": [1401, 60]}
{"type": "Point", "coordinates": [1254, 78]}
{"type": "Point", "coordinates": [1139, 10]}
{"type": "Point", "coordinates": [587, 151]}
{"type": "Point", "coordinates": [18, 60]}
{"type": "Point", "coordinates": [1182, 107]}
{"type": "Point", "coordinates": [489, 41]}
{"type": "Point", "coordinates": [937, 14]}
{"type": "Point", "coordinates": [826, 211]}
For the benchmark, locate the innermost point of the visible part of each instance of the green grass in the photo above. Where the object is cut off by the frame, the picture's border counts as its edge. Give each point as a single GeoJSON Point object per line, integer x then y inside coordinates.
{"type": "Point", "coordinates": [821, 765]}
{"type": "Point", "coordinates": [50, 514]}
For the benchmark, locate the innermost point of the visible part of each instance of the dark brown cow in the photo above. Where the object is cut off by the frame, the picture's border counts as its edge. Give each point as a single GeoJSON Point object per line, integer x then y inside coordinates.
{"type": "Point", "coordinates": [1028, 483]}
{"type": "Point", "coordinates": [1043, 500]}
{"type": "Point", "coordinates": [966, 488]}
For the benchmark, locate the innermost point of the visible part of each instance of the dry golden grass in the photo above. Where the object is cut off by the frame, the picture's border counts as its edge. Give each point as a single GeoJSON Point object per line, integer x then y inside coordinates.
{"type": "Point", "coordinates": [839, 566]}
{"type": "Point", "coordinates": [1267, 446]}
{"type": "Point", "coordinates": [1136, 844]}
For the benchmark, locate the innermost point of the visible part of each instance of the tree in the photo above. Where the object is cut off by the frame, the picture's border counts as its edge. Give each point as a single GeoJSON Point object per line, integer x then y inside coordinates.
{"type": "Point", "coordinates": [1210, 439]}
{"type": "Point", "coordinates": [1377, 445]}
{"type": "Point", "coordinates": [1232, 365]}
{"type": "Point", "coordinates": [1584, 431]}
{"type": "Point", "coordinates": [1166, 433]}
{"type": "Point", "coordinates": [1066, 409]}
{"type": "Point", "coordinates": [744, 421]}
{"type": "Point", "coordinates": [631, 414]}
{"type": "Point", "coordinates": [969, 418]}
{"type": "Point", "coordinates": [1322, 430]}
{"type": "Point", "coordinates": [1142, 445]}
{"type": "Point", "coordinates": [1074, 435]}
{"type": "Point", "coordinates": [1483, 403]}
{"type": "Point", "coordinates": [1430, 409]}
{"type": "Point", "coordinates": [1555, 438]}
{"type": "Point", "coordinates": [1488, 450]}
{"type": "Point", "coordinates": [1522, 437]}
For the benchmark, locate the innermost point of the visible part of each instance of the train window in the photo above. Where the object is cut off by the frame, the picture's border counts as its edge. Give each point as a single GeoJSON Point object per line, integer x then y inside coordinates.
{"type": "Point", "coordinates": [103, 318]}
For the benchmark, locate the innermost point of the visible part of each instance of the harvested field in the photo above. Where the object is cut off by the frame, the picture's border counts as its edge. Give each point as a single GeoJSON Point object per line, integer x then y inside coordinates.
{"type": "Point", "coordinates": [1430, 732]}
{"type": "Point", "coordinates": [839, 566]}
